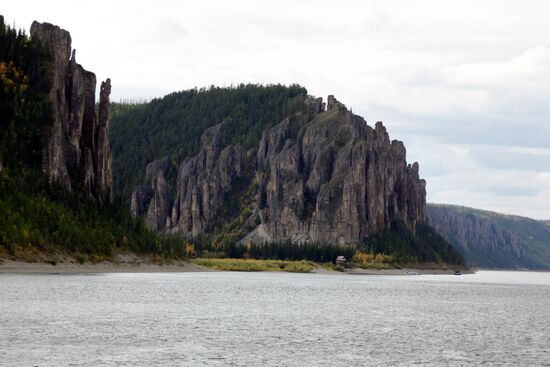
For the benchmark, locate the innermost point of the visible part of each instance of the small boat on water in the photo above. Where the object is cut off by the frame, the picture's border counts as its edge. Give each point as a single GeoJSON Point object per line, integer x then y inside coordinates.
{"type": "Point", "coordinates": [412, 273]}
{"type": "Point", "coordinates": [457, 272]}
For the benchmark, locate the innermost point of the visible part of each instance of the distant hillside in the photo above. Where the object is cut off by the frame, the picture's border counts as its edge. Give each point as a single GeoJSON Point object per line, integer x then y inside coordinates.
{"type": "Point", "coordinates": [547, 222]}
{"type": "Point", "coordinates": [493, 240]}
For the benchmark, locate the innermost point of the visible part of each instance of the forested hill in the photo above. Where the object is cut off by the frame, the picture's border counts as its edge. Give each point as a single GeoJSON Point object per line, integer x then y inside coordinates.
{"type": "Point", "coordinates": [493, 240]}
{"type": "Point", "coordinates": [231, 168]}
{"type": "Point", "coordinates": [172, 126]}
{"type": "Point", "coordinates": [54, 173]}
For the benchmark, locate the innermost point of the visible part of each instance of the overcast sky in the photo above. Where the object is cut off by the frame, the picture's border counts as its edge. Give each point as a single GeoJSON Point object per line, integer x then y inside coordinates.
{"type": "Point", "coordinates": [465, 84]}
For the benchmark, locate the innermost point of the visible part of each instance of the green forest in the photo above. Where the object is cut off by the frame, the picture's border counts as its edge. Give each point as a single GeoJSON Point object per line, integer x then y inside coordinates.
{"type": "Point", "coordinates": [24, 106]}
{"type": "Point", "coordinates": [41, 218]}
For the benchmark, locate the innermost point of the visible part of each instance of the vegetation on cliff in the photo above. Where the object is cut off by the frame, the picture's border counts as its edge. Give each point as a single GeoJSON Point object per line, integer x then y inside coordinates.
{"type": "Point", "coordinates": [172, 126]}
{"type": "Point", "coordinates": [24, 106]}
{"type": "Point", "coordinates": [37, 216]}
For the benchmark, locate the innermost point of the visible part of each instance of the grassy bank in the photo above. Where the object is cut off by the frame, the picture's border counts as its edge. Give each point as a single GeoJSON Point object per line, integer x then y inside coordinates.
{"type": "Point", "coordinates": [362, 262]}
{"type": "Point", "coordinates": [258, 265]}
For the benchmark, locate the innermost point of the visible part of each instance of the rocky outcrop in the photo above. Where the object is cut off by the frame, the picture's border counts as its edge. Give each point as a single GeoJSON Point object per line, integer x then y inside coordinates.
{"type": "Point", "coordinates": [104, 171]}
{"type": "Point", "coordinates": [200, 186]}
{"type": "Point", "coordinates": [76, 152]}
{"type": "Point", "coordinates": [338, 180]}
{"type": "Point", "coordinates": [469, 231]}
{"type": "Point", "coordinates": [321, 176]}
{"type": "Point", "coordinates": [493, 240]}
{"type": "Point", "coordinates": [154, 198]}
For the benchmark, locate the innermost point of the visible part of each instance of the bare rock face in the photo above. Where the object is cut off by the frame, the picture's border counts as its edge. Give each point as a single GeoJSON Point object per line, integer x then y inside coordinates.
{"type": "Point", "coordinates": [139, 202]}
{"type": "Point", "coordinates": [76, 152]}
{"type": "Point", "coordinates": [104, 172]}
{"type": "Point", "coordinates": [325, 176]}
{"type": "Point", "coordinates": [470, 231]}
{"type": "Point", "coordinates": [154, 199]}
{"type": "Point", "coordinates": [200, 186]}
{"type": "Point", "coordinates": [203, 181]}
{"type": "Point", "coordinates": [337, 180]}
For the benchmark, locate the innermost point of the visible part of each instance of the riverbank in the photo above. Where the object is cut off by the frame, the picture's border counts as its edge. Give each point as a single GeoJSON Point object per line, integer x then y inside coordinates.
{"type": "Point", "coordinates": [304, 266]}
{"type": "Point", "coordinates": [10, 266]}
{"type": "Point", "coordinates": [135, 264]}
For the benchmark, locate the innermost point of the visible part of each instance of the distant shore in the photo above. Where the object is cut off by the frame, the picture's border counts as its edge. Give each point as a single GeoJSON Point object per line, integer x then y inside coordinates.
{"type": "Point", "coordinates": [72, 267]}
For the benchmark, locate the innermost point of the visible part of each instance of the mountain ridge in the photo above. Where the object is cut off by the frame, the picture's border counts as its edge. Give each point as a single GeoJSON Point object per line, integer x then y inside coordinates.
{"type": "Point", "coordinates": [493, 240]}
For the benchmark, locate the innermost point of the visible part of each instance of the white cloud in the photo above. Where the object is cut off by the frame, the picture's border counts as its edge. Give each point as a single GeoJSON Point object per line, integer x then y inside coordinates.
{"type": "Point", "coordinates": [447, 78]}
{"type": "Point", "coordinates": [531, 69]}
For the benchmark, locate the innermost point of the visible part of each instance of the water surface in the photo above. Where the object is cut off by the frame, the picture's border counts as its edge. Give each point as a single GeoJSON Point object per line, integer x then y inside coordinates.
{"type": "Point", "coordinates": [274, 319]}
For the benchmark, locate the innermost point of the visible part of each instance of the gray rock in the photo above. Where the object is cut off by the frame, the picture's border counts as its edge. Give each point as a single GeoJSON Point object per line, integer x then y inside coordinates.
{"type": "Point", "coordinates": [104, 172]}
{"type": "Point", "coordinates": [139, 202]}
{"type": "Point", "coordinates": [470, 230]}
{"type": "Point", "coordinates": [159, 208]}
{"type": "Point", "coordinates": [58, 41]}
{"type": "Point", "coordinates": [324, 176]}
{"type": "Point", "coordinates": [200, 186]}
{"type": "Point", "coordinates": [76, 152]}
{"type": "Point", "coordinates": [202, 183]}
{"type": "Point", "coordinates": [493, 240]}
{"type": "Point", "coordinates": [339, 181]}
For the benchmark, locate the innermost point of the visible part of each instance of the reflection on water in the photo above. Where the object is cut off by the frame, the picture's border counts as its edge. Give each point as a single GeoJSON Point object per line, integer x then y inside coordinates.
{"type": "Point", "coordinates": [266, 319]}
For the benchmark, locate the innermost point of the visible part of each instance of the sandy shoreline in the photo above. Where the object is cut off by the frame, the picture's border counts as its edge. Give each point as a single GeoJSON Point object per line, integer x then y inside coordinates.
{"type": "Point", "coordinates": [20, 267]}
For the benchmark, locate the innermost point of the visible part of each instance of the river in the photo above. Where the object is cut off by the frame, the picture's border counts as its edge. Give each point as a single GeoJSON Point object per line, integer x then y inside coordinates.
{"type": "Point", "coordinates": [274, 319]}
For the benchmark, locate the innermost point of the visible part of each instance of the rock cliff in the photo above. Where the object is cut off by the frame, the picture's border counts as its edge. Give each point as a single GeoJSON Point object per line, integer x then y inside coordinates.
{"type": "Point", "coordinates": [317, 176]}
{"type": "Point", "coordinates": [76, 152]}
{"type": "Point", "coordinates": [200, 186]}
{"type": "Point", "coordinates": [493, 240]}
{"type": "Point", "coordinates": [337, 180]}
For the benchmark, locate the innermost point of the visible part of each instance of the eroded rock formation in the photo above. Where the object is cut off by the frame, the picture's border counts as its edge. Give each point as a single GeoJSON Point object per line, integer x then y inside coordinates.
{"type": "Point", "coordinates": [201, 183]}
{"type": "Point", "coordinates": [325, 176]}
{"type": "Point", "coordinates": [76, 152]}
{"type": "Point", "coordinates": [490, 239]}
{"type": "Point", "coordinates": [337, 181]}
{"type": "Point", "coordinates": [154, 198]}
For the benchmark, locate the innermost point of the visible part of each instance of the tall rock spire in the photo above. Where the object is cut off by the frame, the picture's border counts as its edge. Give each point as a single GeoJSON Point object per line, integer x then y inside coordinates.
{"type": "Point", "coordinates": [76, 153]}
{"type": "Point", "coordinates": [104, 158]}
